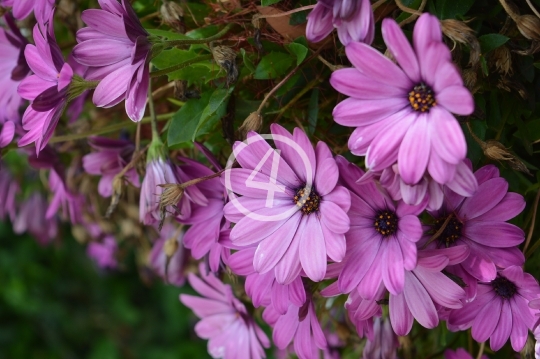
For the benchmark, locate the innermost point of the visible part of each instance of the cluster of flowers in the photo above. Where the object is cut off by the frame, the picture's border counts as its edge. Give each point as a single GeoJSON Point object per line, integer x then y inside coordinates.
{"type": "Point", "coordinates": [295, 222]}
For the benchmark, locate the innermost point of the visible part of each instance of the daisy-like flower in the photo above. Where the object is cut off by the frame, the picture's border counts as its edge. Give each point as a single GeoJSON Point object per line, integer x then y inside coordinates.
{"type": "Point", "coordinates": [103, 252]}
{"type": "Point", "coordinates": [23, 8]}
{"type": "Point", "coordinates": [116, 49]}
{"type": "Point", "coordinates": [353, 19]}
{"type": "Point", "coordinates": [459, 353]}
{"type": "Point", "coordinates": [500, 310]}
{"type": "Point", "coordinates": [172, 269]}
{"type": "Point", "coordinates": [47, 88]}
{"type": "Point", "coordinates": [382, 240]}
{"type": "Point", "coordinates": [291, 205]}
{"type": "Point", "coordinates": [426, 286]}
{"type": "Point", "coordinates": [403, 113]}
{"type": "Point", "coordinates": [480, 223]}
{"type": "Point", "coordinates": [384, 344]}
{"type": "Point", "coordinates": [232, 333]}
{"type": "Point", "coordinates": [110, 159]}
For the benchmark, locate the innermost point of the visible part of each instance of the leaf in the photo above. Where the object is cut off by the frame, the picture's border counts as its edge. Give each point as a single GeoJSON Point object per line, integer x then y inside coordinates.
{"type": "Point", "coordinates": [269, 2]}
{"type": "Point", "coordinates": [451, 9]}
{"type": "Point", "coordinates": [185, 121]}
{"type": "Point", "coordinates": [313, 111]}
{"type": "Point", "coordinates": [299, 50]}
{"type": "Point", "coordinates": [299, 18]}
{"type": "Point", "coordinates": [168, 35]}
{"type": "Point", "coordinates": [490, 42]}
{"type": "Point", "coordinates": [247, 62]}
{"type": "Point", "coordinates": [216, 107]}
{"type": "Point", "coordinates": [273, 65]}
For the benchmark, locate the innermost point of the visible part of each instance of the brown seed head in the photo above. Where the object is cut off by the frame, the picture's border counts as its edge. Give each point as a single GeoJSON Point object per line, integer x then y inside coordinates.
{"type": "Point", "coordinates": [459, 31]}
{"type": "Point", "coordinates": [118, 187]}
{"type": "Point", "coordinates": [172, 14]}
{"type": "Point", "coordinates": [225, 57]}
{"type": "Point", "coordinates": [503, 60]}
{"type": "Point", "coordinates": [252, 123]}
{"type": "Point", "coordinates": [529, 26]}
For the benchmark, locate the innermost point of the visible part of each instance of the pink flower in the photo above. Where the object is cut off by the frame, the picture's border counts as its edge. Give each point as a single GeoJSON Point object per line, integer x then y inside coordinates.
{"type": "Point", "coordinates": [403, 113]}
{"type": "Point", "coordinates": [384, 344]}
{"type": "Point", "coordinates": [103, 252]}
{"type": "Point", "coordinates": [31, 218]}
{"type": "Point", "coordinates": [500, 310]}
{"type": "Point", "coordinates": [22, 8]}
{"type": "Point", "coordinates": [110, 159]}
{"type": "Point", "coordinates": [460, 353]}
{"type": "Point", "coordinates": [298, 325]}
{"type": "Point", "coordinates": [232, 333]}
{"type": "Point", "coordinates": [353, 19]}
{"type": "Point", "coordinates": [158, 171]}
{"type": "Point", "coordinates": [173, 271]}
{"type": "Point", "coordinates": [47, 88]}
{"type": "Point", "coordinates": [382, 240]}
{"type": "Point", "coordinates": [291, 206]}
{"type": "Point", "coordinates": [426, 286]}
{"type": "Point", "coordinates": [480, 223]}
{"type": "Point", "coordinates": [116, 49]}
{"type": "Point", "coordinates": [8, 190]}
{"type": "Point", "coordinates": [71, 203]}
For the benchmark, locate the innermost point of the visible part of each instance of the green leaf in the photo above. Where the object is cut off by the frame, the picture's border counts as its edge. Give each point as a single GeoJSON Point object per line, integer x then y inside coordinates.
{"type": "Point", "coordinates": [269, 2]}
{"type": "Point", "coordinates": [215, 109]}
{"type": "Point", "coordinates": [298, 18]}
{"type": "Point", "coordinates": [490, 42]}
{"type": "Point", "coordinates": [451, 9]}
{"type": "Point", "coordinates": [273, 65]}
{"type": "Point", "coordinates": [299, 50]}
{"type": "Point", "coordinates": [185, 121]}
{"type": "Point", "coordinates": [313, 111]}
{"type": "Point", "coordinates": [168, 35]}
{"type": "Point", "coordinates": [247, 62]}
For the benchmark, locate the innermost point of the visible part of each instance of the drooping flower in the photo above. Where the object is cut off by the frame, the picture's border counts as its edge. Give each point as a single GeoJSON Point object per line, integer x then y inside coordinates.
{"type": "Point", "coordinates": [479, 222]}
{"type": "Point", "coordinates": [459, 353]}
{"type": "Point", "coordinates": [8, 190]}
{"type": "Point", "coordinates": [23, 8]}
{"type": "Point", "coordinates": [300, 326]}
{"type": "Point", "coordinates": [31, 218]}
{"type": "Point", "coordinates": [403, 113]}
{"type": "Point", "coordinates": [116, 49]}
{"type": "Point", "coordinates": [111, 157]}
{"type": "Point", "coordinates": [353, 19]}
{"type": "Point", "coordinates": [13, 69]}
{"type": "Point", "coordinates": [500, 309]}
{"type": "Point", "coordinates": [426, 286]}
{"type": "Point", "coordinates": [384, 344]}
{"type": "Point", "coordinates": [47, 89]}
{"type": "Point", "coordinates": [103, 252]}
{"type": "Point", "coordinates": [171, 270]}
{"type": "Point", "coordinates": [382, 240]}
{"type": "Point", "coordinates": [70, 203]}
{"type": "Point", "coordinates": [291, 205]}
{"type": "Point", "coordinates": [232, 333]}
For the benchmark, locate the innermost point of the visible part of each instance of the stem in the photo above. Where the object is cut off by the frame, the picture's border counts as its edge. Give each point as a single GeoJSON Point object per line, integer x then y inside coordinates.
{"type": "Point", "coordinates": [377, 4]}
{"type": "Point", "coordinates": [171, 43]}
{"type": "Point", "coordinates": [533, 221]}
{"type": "Point", "coordinates": [481, 350]}
{"type": "Point", "coordinates": [153, 118]}
{"type": "Point", "coordinates": [415, 14]}
{"type": "Point", "coordinates": [297, 97]}
{"type": "Point", "coordinates": [440, 231]}
{"type": "Point", "coordinates": [407, 9]}
{"type": "Point", "coordinates": [509, 10]}
{"type": "Point", "coordinates": [532, 8]}
{"type": "Point", "coordinates": [307, 7]}
{"type": "Point", "coordinates": [107, 129]}
{"type": "Point", "coordinates": [180, 66]}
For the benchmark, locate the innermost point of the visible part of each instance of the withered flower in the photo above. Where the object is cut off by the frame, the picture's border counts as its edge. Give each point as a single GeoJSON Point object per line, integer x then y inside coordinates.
{"type": "Point", "coordinates": [225, 57]}
{"type": "Point", "coordinates": [458, 31]}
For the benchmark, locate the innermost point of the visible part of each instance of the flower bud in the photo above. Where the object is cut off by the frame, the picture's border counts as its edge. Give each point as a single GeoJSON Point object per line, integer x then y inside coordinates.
{"type": "Point", "coordinates": [170, 247]}
{"type": "Point", "coordinates": [172, 14]}
{"type": "Point", "coordinates": [458, 31]}
{"type": "Point", "coordinates": [503, 60]}
{"type": "Point", "coordinates": [252, 123]}
{"type": "Point", "coordinates": [171, 195]}
{"type": "Point", "coordinates": [225, 57]}
{"type": "Point", "coordinates": [529, 26]}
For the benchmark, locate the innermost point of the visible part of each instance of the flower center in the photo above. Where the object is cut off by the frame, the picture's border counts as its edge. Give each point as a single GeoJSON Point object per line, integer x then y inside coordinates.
{"type": "Point", "coordinates": [422, 98]}
{"type": "Point", "coordinates": [386, 223]}
{"type": "Point", "coordinates": [308, 202]}
{"type": "Point", "coordinates": [450, 233]}
{"type": "Point", "coordinates": [503, 287]}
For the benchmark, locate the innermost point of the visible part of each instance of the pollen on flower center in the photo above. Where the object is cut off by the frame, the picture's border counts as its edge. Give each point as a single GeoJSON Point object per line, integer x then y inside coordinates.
{"type": "Point", "coordinates": [308, 203]}
{"type": "Point", "coordinates": [450, 233]}
{"type": "Point", "coordinates": [503, 287]}
{"type": "Point", "coordinates": [422, 98]}
{"type": "Point", "coordinates": [386, 222]}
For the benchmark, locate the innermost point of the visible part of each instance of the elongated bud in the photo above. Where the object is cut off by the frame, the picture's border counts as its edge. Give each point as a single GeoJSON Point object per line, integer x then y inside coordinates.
{"type": "Point", "coordinates": [458, 31]}
{"type": "Point", "coordinates": [252, 123]}
{"type": "Point", "coordinates": [172, 14]}
{"type": "Point", "coordinates": [225, 57]}
{"type": "Point", "coordinates": [496, 151]}
{"type": "Point", "coordinates": [529, 26]}
{"type": "Point", "coordinates": [170, 247]}
{"type": "Point", "coordinates": [118, 187]}
{"type": "Point", "coordinates": [171, 196]}
{"type": "Point", "coordinates": [503, 60]}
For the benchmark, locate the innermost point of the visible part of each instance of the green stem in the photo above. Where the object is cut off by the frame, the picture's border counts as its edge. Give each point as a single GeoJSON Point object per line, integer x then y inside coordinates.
{"type": "Point", "coordinates": [153, 118]}
{"type": "Point", "coordinates": [171, 43]}
{"type": "Point", "coordinates": [107, 129]}
{"type": "Point", "coordinates": [180, 66]}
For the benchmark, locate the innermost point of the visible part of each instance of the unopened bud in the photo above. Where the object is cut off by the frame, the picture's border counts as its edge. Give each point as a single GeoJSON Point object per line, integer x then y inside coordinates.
{"type": "Point", "coordinates": [252, 123]}
{"type": "Point", "coordinates": [170, 247]}
{"type": "Point", "coordinates": [172, 14]}
{"type": "Point", "coordinates": [496, 151]}
{"type": "Point", "coordinates": [458, 31]}
{"type": "Point", "coordinates": [171, 195]}
{"type": "Point", "coordinates": [503, 60]}
{"type": "Point", "coordinates": [225, 57]}
{"type": "Point", "coordinates": [529, 26]}
{"type": "Point", "coordinates": [118, 186]}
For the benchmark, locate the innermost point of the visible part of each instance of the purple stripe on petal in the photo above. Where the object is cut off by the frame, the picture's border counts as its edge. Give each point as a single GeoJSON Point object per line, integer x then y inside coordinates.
{"type": "Point", "coordinates": [494, 234]}
{"type": "Point", "coordinates": [504, 328]}
{"type": "Point", "coordinates": [414, 151]}
{"type": "Point", "coordinates": [352, 82]}
{"type": "Point", "coordinates": [353, 112]}
{"type": "Point", "coordinates": [419, 302]}
{"type": "Point", "coordinates": [488, 195]}
{"type": "Point", "coordinates": [487, 319]}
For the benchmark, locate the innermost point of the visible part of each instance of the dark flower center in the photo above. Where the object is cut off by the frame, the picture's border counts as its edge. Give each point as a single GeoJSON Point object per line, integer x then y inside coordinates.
{"type": "Point", "coordinates": [422, 98]}
{"type": "Point", "coordinates": [386, 223]}
{"type": "Point", "coordinates": [503, 287]}
{"type": "Point", "coordinates": [308, 202]}
{"type": "Point", "coordinates": [450, 233]}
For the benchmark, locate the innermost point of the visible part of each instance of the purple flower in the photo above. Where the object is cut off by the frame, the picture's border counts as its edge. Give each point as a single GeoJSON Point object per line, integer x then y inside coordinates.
{"type": "Point", "coordinates": [382, 240]}
{"type": "Point", "coordinates": [103, 253]}
{"type": "Point", "coordinates": [298, 325]}
{"type": "Point", "coordinates": [71, 203]}
{"type": "Point", "coordinates": [22, 8]}
{"type": "Point", "coordinates": [404, 113]}
{"type": "Point", "coordinates": [158, 171]}
{"type": "Point", "coordinates": [47, 88]}
{"type": "Point", "coordinates": [384, 344]}
{"type": "Point", "coordinates": [116, 49]}
{"type": "Point", "coordinates": [460, 353]}
{"type": "Point", "coordinates": [291, 205]}
{"type": "Point", "coordinates": [353, 19]}
{"type": "Point", "coordinates": [500, 310]}
{"type": "Point", "coordinates": [8, 190]}
{"type": "Point", "coordinates": [426, 286]}
{"type": "Point", "coordinates": [480, 223]}
{"type": "Point", "coordinates": [173, 271]}
{"type": "Point", "coordinates": [110, 159]}
{"type": "Point", "coordinates": [232, 333]}
{"type": "Point", "coordinates": [31, 218]}
{"type": "Point", "coordinates": [263, 289]}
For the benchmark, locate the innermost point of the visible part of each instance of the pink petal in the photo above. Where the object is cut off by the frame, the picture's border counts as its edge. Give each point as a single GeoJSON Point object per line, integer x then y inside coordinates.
{"type": "Point", "coordinates": [442, 289]}
{"type": "Point", "coordinates": [440, 170]}
{"type": "Point", "coordinates": [288, 269]}
{"type": "Point", "coordinates": [364, 252]}
{"type": "Point", "coordinates": [334, 217]}
{"type": "Point", "coordinates": [257, 226]}
{"type": "Point", "coordinates": [488, 195]}
{"type": "Point", "coordinates": [448, 138]}
{"type": "Point", "coordinates": [426, 31]}
{"type": "Point", "coordinates": [340, 196]}
{"type": "Point", "coordinates": [336, 244]}
{"type": "Point", "coordinates": [464, 182]}
{"type": "Point", "coordinates": [504, 327]}
{"type": "Point", "coordinates": [456, 99]}
{"type": "Point", "coordinates": [414, 151]}
{"type": "Point", "coordinates": [326, 176]}
{"type": "Point", "coordinates": [419, 302]}
{"type": "Point", "coordinates": [313, 250]}
{"type": "Point", "coordinates": [6, 133]}
{"type": "Point", "coordinates": [137, 94]}
{"type": "Point", "coordinates": [510, 206]}
{"type": "Point", "coordinates": [392, 267]}
{"type": "Point", "coordinates": [400, 48]}
{"type": "Point", "coordinates": [400, 315]}
{"type": "Point", "coordinates": [352, 82]}
{"type": "Point", "coordinates": [113, 87]}
{"type": "Point", "coordinates": [486, 321]}
{"type": "Point", "coordinates": [104, 22]}
{"type": "Point", "coordinates": [353, 112]}
{"type": "Point", "coordinates": [494, 234]}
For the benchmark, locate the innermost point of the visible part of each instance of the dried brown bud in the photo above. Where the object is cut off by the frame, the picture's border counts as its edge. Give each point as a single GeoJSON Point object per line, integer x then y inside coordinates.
{"type": "Point", "coordinates": [252, 123]}
{"type": "Point", "coordinates": [225, 57]}
{"type": "Point", "coordinates": [458, 31]}
{"type": "Point", "coordinates": [118, 186]}
{"type": "Point", "coordinates": [470, 79]}
{"type": "Point", "coordinates": [496, 151]}
{"type": "Point", "coordinates": [170, 247]}
{"type": "Point", "coordinates": [172, 14]}
{"type": "Point", "coordinates": [171, 195]}
{"type": "Point", "coordinates": [503, 60]}
{"type": "Point", "coordinates": [80, 233]}
{"type": "Point", "coordinates": [529, 26]}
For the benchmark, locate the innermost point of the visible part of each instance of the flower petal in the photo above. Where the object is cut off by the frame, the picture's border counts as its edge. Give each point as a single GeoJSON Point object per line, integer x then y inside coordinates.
{"type": "Point", "coordinates": [401, 49]}
{"type": "Point", "coordinates": [313, 250]}
{"type": "Point", "coordinates": [414, 151]}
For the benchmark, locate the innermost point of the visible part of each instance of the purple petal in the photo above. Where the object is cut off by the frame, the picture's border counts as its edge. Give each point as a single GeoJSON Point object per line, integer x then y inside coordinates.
{"type": "Point", "coordinates": [334, 217]}
{"type": "Point", "coordinates": [319, 23]}
{"type": "Point", "coordinates": [104, 22]}
{"type": "Point", "coordinates": [353, 112]}
{"type": "Point", "coordinates": [6, 133]}
{"type": "Point", "coordinates": [392, 267]}
{"type": "Point", "coordinates": [400, 315]}
{"type": "Point", "coordinates": [488, 195]}
{"type": "Point", "coordinates": [364, 252]}
{"type": "Point", "coordinates": [448, 139]}
{"type": "Point", "coordinates": [313, 250]}
{"type": "Point", "coordinates": [464, 182]}
{"type": "Point", "coordinates": [336, 244]}
{"type": "Point", "coordinates": [414, 151]}
{"type": "Point", "coordinates": [440, 170]}
{"type": "Point", "coordinates": [426, 31]}
{"type": "Point", "coordinates": [137, 93]}
{"type": "Point", "coordinates": [112, 89]}
{"type": "Point", "coordinates": [486, 321]}
{"type": "Point", "coordinates": [352, 82]}
{"type": "Point", "coordinates": [400, 48]}
{"type": "Point", "coordinates": [419, 302]}
{"type": "Point", "coordinates": [510, 206]}
{"type": "Point", "coordinates": [442, 289]}
{"type": "Point", "coordinates": [340, 196]}
{"type": "Point", "coordinates": [101, 52]}
{"type": "Point", "coordinates": [288, 269]}
{"type": "Point", "coordinates": [39, 65]}
{"type": "Point", "coordinates": [494, 234]}
{"type": "Point", "coordinates": [504, 327]}
{"type": "Point", "coordinates": [456, 99]}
